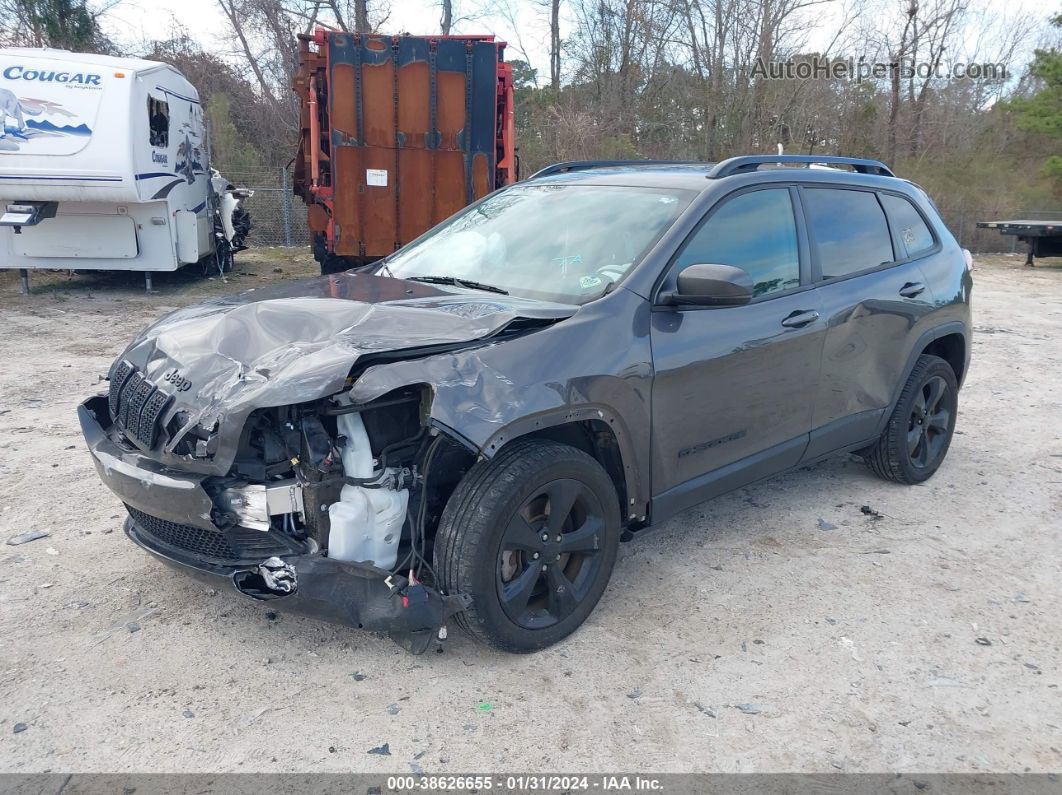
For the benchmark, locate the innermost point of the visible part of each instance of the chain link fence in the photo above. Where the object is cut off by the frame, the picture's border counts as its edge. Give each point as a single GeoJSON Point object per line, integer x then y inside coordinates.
{"type": "Point", "coordinates": [279, 217]}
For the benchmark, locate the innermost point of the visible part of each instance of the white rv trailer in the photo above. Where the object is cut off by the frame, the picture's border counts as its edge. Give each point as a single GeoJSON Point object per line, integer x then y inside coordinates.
{"type": "Point", "coordinates": [102, 164]}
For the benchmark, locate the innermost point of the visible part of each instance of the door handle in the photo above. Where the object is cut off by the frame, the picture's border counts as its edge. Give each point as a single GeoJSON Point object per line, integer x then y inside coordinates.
{"type": "Point", "coordinates": [800, 318]}
{"type": "Point", "coordinates": [911, 289]}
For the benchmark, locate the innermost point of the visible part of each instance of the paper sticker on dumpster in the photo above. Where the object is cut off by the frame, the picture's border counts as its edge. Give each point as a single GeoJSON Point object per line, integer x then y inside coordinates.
{"type": "Point", "coordinates": [376, 176]}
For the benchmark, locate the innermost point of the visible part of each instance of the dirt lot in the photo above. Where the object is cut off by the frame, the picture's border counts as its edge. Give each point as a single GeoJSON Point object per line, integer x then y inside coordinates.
{"type": "Point", "coordinates": [778, 628]}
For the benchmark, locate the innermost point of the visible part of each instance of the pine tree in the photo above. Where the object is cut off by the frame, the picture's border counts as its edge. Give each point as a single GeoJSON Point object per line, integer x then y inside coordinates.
{"type": "Point", "coordinates": [1042, 112]}
{"type": "Point", "coordinates": [63, 24]}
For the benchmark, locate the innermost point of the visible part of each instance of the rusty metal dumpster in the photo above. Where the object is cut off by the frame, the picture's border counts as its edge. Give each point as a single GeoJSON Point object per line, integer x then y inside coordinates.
{"type": "Point", "coordinates": [398, 133]}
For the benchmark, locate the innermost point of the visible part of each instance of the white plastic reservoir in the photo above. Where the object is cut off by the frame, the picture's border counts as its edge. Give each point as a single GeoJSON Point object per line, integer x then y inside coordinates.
{"type": "Point", "coordinates": [366, 524]}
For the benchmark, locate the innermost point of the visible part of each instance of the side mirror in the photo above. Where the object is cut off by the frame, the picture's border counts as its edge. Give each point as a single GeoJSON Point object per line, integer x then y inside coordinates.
{"type": "Point", "coordinates": [711, 285]}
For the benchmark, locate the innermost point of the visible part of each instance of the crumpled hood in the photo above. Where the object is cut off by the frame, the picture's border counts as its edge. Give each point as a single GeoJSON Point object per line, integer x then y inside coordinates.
{"type": "Point", "coordinates": [298, 341]}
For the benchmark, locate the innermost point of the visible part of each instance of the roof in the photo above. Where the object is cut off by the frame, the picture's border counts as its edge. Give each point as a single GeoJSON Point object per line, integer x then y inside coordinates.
{"type": "Point", "coordinates": [699, 176]}
{"type": "Point", "coordinates": [84, 58]}
{"type": "Point", "coordinates": [688, 176]}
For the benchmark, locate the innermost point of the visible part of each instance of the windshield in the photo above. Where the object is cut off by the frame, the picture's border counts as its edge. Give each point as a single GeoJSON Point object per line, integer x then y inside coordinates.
{"type": "Point", "coordinates": [564, 243]}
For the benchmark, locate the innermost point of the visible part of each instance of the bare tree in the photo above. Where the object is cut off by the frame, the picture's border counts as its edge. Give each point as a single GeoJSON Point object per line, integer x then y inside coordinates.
{"type": "Point", "coordinates": [446, 20]}
{"type": "Point", "coordinates": [507, 10]}
{"type": "Point", "coordinates": [361, 16]}
{"type": "Point", "coordinates": [236, 12]}
{"type": "Point", "coordinates": [554, 45]}
{"type": "Point", "coordinates": [451, 14]}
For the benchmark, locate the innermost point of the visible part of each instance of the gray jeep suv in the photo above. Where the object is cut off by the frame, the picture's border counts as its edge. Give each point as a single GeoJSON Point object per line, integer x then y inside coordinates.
{"type": "Point", "coordinates": [470, 426]}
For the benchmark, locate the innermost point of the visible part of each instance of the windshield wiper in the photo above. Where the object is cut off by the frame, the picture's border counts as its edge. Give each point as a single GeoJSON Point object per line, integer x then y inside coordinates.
{"type": "Point", "coordinates": [490, 288]}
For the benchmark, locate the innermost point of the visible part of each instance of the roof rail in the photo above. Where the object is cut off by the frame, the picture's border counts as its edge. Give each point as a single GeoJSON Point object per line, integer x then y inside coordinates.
{"type": "Point", "coordinates": [740, 165]}
{"type": "Point", "coordinates": [586, 165]}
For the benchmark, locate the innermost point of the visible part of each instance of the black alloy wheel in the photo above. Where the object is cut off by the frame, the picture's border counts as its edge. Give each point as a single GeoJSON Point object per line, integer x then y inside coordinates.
{"type": "Point", "coordinates": [550, 554]}
{"type": "Point", "coordinates": [531, 536]}
{"type": "Point", "coordinates": [930, 424]}
{"type": "Point", "coordinates": [918, 433]}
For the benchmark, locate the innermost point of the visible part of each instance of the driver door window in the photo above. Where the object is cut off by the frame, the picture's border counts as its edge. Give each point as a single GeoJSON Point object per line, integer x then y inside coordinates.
{"type": "Point", "coordinates": [754, 231]}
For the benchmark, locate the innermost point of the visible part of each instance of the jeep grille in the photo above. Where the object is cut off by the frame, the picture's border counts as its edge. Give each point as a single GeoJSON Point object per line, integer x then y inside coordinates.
{"type": "Point", "coordinates": [135, 403]}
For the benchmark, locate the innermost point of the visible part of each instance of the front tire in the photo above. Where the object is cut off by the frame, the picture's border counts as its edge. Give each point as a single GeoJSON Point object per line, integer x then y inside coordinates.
{"type": "Point", "coordinates": [531, 535]}
{"type": "Point", "coordinates": [918, 434]}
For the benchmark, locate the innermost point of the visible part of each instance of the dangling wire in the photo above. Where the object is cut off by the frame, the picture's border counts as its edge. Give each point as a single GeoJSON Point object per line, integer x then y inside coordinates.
{"type": "Point", "coordinates": [418, 529]}
{"type": "Point", "coordinates": [416, 559]}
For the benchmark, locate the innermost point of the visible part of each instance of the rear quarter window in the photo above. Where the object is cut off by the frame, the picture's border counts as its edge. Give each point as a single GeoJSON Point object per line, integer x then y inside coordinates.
{"type": "Point", "coordinates": [849, 230]}
{"type": "Point", "coordinates": [915, 237]}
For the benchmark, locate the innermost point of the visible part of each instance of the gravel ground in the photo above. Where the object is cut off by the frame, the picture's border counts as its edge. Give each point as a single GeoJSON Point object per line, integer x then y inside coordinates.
{"type": "Point", "coordinates": [784, 627]}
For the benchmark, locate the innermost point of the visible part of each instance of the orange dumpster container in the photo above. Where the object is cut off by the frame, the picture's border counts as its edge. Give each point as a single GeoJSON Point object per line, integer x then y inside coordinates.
{"type": "Point", "coordinates": [398, 133]}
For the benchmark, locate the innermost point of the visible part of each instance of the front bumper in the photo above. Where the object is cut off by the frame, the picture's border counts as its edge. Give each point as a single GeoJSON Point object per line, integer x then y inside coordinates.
{"type": "Point", "coordinates": [354, 594]}
{"type": "Point", "coordinates": [140, 482]}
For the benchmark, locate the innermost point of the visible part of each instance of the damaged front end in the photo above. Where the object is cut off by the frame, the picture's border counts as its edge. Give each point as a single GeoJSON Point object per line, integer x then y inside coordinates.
{"type": "Point", "coordinates": [231, 434]}
{"type": "Point", "coordinates": [312, 515]}
{"type": "Point", "coordinates": [411, 613]}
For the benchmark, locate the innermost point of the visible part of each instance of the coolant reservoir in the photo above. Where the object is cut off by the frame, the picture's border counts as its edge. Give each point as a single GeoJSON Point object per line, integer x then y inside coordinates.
{"type": "Point", "coordinates": [366, 524]}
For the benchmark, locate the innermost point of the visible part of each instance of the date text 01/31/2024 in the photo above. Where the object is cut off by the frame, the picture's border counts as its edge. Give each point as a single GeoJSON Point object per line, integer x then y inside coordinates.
{"type": "Point", "coordinates": [541, 783]}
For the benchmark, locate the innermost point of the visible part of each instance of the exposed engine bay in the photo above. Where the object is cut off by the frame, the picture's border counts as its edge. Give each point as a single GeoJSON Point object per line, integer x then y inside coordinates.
{"type": "Point", "coordinates": [346, 483]}
{"type": "Point", "coordinates": [327, 505]}
{"type": "Point", "coordinates": [355, 481]}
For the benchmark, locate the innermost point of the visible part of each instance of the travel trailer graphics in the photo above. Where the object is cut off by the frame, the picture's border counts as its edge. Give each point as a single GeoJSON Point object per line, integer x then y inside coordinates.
{"type": "Point", "coordinates": [47, 111]}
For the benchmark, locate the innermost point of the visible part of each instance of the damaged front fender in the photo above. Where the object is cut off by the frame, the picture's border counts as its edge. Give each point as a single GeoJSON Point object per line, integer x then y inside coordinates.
{"type": "Point", "coordinates": [571, 372]}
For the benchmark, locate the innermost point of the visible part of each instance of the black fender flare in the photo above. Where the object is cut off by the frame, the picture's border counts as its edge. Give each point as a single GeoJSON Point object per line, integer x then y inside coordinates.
{"type": "Point", "coordinates": [935, 333]}
{"type": "Point", "coordinates": [635, 480]}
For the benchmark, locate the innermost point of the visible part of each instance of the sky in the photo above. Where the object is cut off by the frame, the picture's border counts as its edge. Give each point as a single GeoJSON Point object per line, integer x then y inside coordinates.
{"type": "Point", "coordinates": [136, 21]}
{"type": "Point", "coordinates": [133, 22]}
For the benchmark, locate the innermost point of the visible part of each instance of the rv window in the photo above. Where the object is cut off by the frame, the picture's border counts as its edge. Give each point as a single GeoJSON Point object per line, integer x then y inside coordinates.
{"type": "Point", "coordinates": [158, 122]}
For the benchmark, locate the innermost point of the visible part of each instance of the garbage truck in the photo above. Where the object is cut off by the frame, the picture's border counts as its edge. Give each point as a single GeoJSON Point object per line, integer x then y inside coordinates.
{"type": "Point", "coordinates": [103, 166]}
{"type": "Point", "coordinates": [397, 134]}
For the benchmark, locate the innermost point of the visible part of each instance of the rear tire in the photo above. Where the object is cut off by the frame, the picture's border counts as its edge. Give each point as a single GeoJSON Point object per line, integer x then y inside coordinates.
{"type": "Point", "coordinates": [531, 535]}
{"type": "Point", "coordinates": [918, 434]}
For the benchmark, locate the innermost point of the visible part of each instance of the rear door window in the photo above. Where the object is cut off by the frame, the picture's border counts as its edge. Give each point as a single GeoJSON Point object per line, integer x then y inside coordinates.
{"type": "Point", "coordinates": [910, 227]}
{"type": "Point", "coordinates": [848, 229]}
{"type": "Point", "coordinates": [754, 231]}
